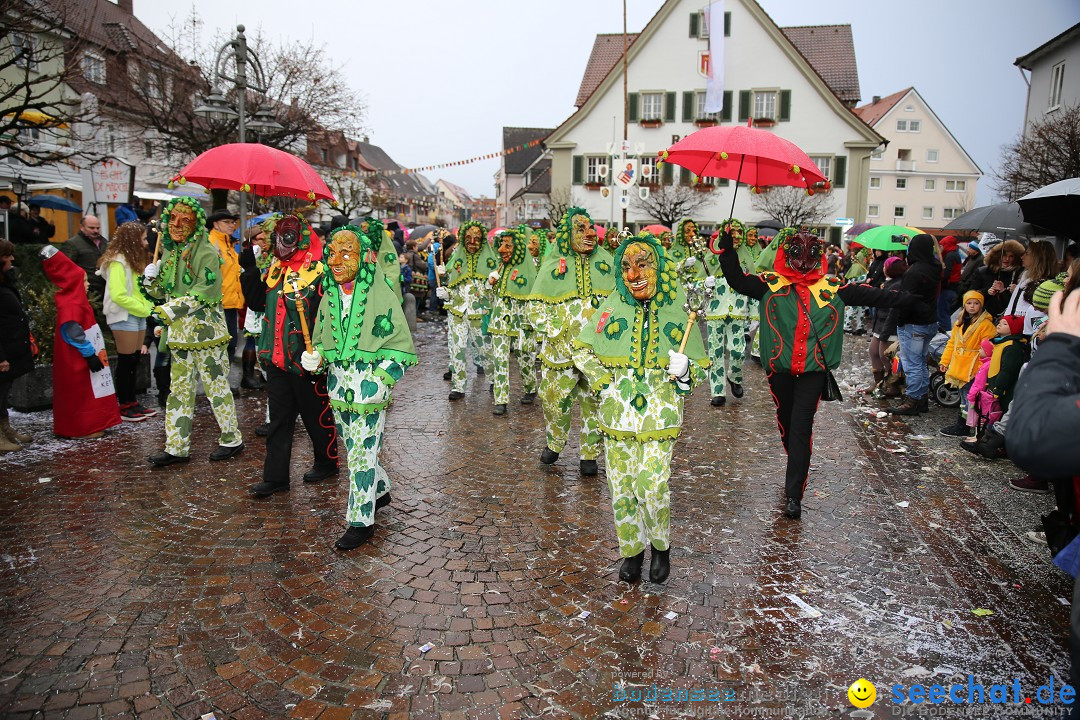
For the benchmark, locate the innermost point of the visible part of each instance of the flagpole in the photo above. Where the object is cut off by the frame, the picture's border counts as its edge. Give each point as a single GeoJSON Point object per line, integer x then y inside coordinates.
{"type": "Point", "coordinates": [625, 95]}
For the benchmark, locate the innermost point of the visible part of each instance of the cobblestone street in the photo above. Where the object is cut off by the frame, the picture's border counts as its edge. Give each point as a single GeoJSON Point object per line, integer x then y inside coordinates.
{"type": "Point", "coordinates": [129, 592]}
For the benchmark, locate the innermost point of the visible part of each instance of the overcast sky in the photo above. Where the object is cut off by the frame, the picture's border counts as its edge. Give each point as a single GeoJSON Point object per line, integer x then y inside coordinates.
{"type": "Point", "coordinates": [442, 78]}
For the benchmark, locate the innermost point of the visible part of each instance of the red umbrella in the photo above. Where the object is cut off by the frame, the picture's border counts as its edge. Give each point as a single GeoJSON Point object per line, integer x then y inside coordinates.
{"type": "Point", "coordinates": [656, 230]}
{"type": "Point", "coordinates": [745, 154]}
{"type": "Point", "coordinates": [257, 169]}
{"type": "Point", "coordinates": [601, 231]}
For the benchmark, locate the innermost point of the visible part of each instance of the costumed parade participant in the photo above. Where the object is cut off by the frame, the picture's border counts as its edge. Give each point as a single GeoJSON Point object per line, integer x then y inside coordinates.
{"type": "Point", "coordinates": [465, 297]}
{"type": "Point", "coordinates": [511, 285]}
{"type": "Point", "coordinates": [254, 262]}
{"type": "Point", "coordinates": [749, 252]}
{"type": "Point", "coordinates": [684, 252]}
{"type": "Point", "coordinates": [362, 341]}
{"type": "Point", "coordinates": [538, 246]}
{"type": "Point", "coordinates": [725, 325]}
{"type": "Point", "coordinates": [802, 340]}
{"type": "Point", "coordinates": [84, 400]}
{"type": "Point", "coordinates": [293, 292]}
{"type": "Point", "coordinates": [574, 279]}
{"type": "Point", "coordinates": [187, 284]}
{"type": "Point", "coordinates": [631, 354]}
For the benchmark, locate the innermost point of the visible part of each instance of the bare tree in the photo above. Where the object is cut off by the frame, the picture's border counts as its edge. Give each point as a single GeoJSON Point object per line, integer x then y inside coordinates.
{"type": "Point", "coordinates": [1048, 152]}
{"type": "Point", "coordinates": [670, 203]}
{"type": "Point", "coordinates": [793, 207]}
{"type": "Point", "coordinates": [558, 204]}
{"type": "Point", "coordinates": [351, 193]}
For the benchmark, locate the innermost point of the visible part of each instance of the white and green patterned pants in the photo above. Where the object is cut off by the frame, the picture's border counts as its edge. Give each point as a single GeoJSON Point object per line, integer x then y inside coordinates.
{"type": "Point", "coordinates": [461, 333]}
{"type": "Point", "coordinates": [212, 366]}
{"type": "Point", "coordinates": [558, 391]}
{"type": "Point", "coordinates": [368, 481]}
{"type": "Point", "coordinates": [727, 349]}
{"type": "Point", "coordinates": [638, 474]}
{"type": "Point", "coordinates": [752, 323]}
{"type": "Point", "coordinates": [524, 350]}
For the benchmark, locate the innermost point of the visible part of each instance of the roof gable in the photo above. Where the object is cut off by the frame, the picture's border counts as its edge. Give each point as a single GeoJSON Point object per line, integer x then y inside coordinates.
{"type": "Point", "coordinates": [518, 161]}
{"type": "Point", "coordinates": [1026, 61]}
{"type": "Point", "coordinates": [607, 50]}
{"type": "Point", "coordinates": [830, 50]}
{"type": "Point", "coordinates": [872, 112]}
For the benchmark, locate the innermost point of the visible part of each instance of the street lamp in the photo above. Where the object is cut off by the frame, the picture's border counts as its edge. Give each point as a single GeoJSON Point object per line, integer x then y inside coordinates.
{"type": "Point", "coordinates": [216, 106]}
{"type": "Point", "coordinates": [19, 187]}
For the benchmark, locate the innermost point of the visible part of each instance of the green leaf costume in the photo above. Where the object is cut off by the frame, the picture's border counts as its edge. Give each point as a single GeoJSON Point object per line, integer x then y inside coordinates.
{"type": "Point", "coordinates": [509, 328]}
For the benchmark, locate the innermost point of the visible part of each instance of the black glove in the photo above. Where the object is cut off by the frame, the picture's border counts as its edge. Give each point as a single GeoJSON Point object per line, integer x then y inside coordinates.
{"type": "Point", "coordinates": [95, 363]}
{"type": "Point", "coordinates": [724, 243]}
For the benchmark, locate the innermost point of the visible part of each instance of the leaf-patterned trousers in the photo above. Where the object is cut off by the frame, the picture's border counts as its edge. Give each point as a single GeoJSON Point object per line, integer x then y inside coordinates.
{"type": "Point", "coordinates": [638, 474]}
{"type": "Point", "coordinates": [524, 349]}
{"type": "Point", "coordinates": [727, 350]}
{"type": "Point", "coordinates": [559, 389]}
{"type": "Point", "coordinates": [212, 366]}
{"type": "Point", "coordinates": [368, 480]}
{"type": "Point", "coordinates": [461, 333]}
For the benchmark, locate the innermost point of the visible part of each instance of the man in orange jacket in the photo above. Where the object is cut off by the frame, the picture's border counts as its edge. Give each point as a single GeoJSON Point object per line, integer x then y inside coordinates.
{"type": "Point", "coordinates": [223, 224]}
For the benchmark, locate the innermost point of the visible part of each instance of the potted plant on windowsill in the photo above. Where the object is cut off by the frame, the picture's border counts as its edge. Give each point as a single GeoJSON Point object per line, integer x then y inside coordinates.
{"type": "Point", "coordinates": [593, 185]}
{"type": "Point", "coordinates": [703, 187]}
{"type": "Point", "coordinates": [706, 122]}
{"type": "Point", "coordinates": [654, 123]}
{"type": "Point", "coordinates": [764, 122]}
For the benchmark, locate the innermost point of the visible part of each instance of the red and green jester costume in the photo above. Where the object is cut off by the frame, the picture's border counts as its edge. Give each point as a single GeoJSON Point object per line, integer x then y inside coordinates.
{"type": "Point", "coordinates": [800, 308]}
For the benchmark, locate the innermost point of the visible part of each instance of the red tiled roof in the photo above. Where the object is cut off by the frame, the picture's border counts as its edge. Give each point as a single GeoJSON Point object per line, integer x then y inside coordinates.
{"type": "Point", "coordinates": [607, 50]}
{"type": "Point", "coordinates": [872, 112]}
{"type": "Point", "coordinates": [830, 50]}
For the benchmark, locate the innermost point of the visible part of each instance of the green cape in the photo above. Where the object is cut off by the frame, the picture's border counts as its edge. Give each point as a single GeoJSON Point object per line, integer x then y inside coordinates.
{"type": "Point", "coordinates": [615, 334]}
{"type": "Point", "coordinates": [387, 254]}
{"type": "Point", "coordinates": [464, 265]}
{"type": "Point", "coordinates": [680, 250]}
{"type": "Point", "coordinates": [516, 277]}
{"type": "Point", "coordinates": [376, 328]}
{"type": "Point", "coordinates": [565, 274]}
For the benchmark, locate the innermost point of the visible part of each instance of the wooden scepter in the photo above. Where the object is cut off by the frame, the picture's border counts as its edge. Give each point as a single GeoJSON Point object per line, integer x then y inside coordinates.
{"type": "Point", "coordinates": [294, 278]}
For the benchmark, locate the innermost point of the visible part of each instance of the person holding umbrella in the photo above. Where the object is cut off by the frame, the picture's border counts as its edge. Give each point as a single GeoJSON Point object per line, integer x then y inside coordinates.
{"type": "Point", "coordinates": [725, 324]}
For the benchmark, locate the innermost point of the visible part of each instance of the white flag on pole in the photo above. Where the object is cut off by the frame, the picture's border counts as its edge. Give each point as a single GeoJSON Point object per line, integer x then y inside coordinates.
{"type": "Point", "coordinates": [714, 86]}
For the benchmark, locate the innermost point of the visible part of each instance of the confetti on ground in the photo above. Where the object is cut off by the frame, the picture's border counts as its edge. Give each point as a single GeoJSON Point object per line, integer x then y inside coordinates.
{"type": "Point", "coordinates": [584, 614]}
{"type": "Point", "coordinates": [982, 612]}
{"type": "Point", "coordinates": [809, 610]}
{"type": "Point", "coordinates": [44, 480]}
{"type": "Point", "coordinates": [881, 414]}
{"type": "Point", "coordinates": [903, 503]}
{"type": "Point", "coordinates": [897, 450]}
{"type": "Point", "coordinates": [672, 615]}
{"type": "Point", "coordinates": [425, 647]}
{"type": "Point", "coordinates": [208, 716]}
{"type": "Point", "coordinates": [623, 601]}
{"type": "Point", "coordinates": [1063, 601]}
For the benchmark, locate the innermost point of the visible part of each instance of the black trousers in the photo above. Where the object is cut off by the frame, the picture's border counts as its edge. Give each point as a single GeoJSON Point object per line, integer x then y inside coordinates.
{"type": "Point", "coordinates": [796, 398]}
{"type": "Point", "coordinates": [291, 395]}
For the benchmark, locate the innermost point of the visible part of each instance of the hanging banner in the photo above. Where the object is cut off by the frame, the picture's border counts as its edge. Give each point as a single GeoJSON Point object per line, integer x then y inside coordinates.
{"type": "Point", "coordinates": [714, 85]}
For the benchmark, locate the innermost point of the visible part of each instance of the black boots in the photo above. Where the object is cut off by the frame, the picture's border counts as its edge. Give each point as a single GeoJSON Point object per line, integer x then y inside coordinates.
{"type": "Point", "coordinates": [528, 398]}
{"type": "Point", "coordinates": [164, 458]}
{"type": "Point", "coordinates": [793, 509]}
{"type": "Point", "coordinates": [659, 566]}
{"type": "Point", "coordinates": [355, 536]}
{"type": "Point", "coordinates": [499, 409]}
{"type": "Point", "coordinates": [736, 389]}
{"type": "Point", "coordinates": [251, 378]}
{"type": "Point", "coordinates": [990, 446]}
{"type": "Point", "coordinates": [549, 456]}
{"type": "Point", "coordinates": [588, 467]}
{"type": "Point", "coordinates": [224, 452]}
{"type": "Point", "coordinates": [718, 401]}
{"type": "Point", "coordinates": [631, 568]}
{"type": "Point", "coordinates": [957, 429]}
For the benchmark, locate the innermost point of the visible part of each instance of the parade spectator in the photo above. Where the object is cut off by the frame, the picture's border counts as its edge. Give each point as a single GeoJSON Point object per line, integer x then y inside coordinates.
{"type": "Point", "coordinates": [126, 310]}
{"type": "Point", "coordinates": [973, 260]}
{"type": "Point", "coordinates": [953, 263]}
{"type": "Point", "coordinates": [1040, 263]}
{"type": "Point", "coordinates": [917, 323]}
{"type": "Point", "coordinates": [16, 350]}
{"type": "Point", "coordinates": [883, 333]}
{"type": "Point", "coordinates": [959, 361]}
{"type": "Point", "coordinates": [254, 259]}
{"type": "Point", "coordinates": [222, 225]}
{"type": "Point", "coordinates": [85, 248]}
{"type": "Point", "coordinates": [997, 278]}
{"type": "Point", "coordinates": [41, 230]}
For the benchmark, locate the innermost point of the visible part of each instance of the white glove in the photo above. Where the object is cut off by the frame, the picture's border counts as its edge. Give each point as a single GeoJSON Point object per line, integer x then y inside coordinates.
{"type": "Point", "coordinates": [710, 282]}
{"type": "Point", "coordinates": [158, 330]}
{"type": "Point", "coordinates": [256, 250]}
{"type": "Point", "coordinates": [441, 269]}
{"type": "Point", "coordinates": [493, 277]}
{"type": "Point", "coordinates": [690, 261]}
{"type": "Point", "coordinates": [310, 361]}
{"type": "Point", "coordinates": [442, 294]}
{"type": "Point", "coordinates": [151, 271]}
{"type": "Point", "coordinates": [678, 364]}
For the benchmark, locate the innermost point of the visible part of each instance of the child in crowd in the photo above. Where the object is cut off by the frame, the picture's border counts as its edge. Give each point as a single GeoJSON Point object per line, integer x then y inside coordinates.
{"type": "Point", "coordinates": [1010, 352]}
{"type": "Point", "coordinates": [960, 359]}
{"type": "Point", "coordinates": [983, 407]}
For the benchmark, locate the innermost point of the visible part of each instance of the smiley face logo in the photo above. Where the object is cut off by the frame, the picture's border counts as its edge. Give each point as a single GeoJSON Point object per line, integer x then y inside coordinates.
{"type": "Point", "coordinates": [862, 693]}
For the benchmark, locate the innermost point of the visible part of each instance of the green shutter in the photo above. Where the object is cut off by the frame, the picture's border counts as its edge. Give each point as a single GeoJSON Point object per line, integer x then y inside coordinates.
{"type": "Point", "coordinates": [744, 105]}
{"type": "Point", "coordinates": [695, 18]}
{"type": "Point", "coordinates": [688, 109]}
{"type": "Point", "coordinates": [667, 173]}
{"type": "Point", "coordinates": [579, 169]}
{"type": "Point", "coordinates": [785, 104]}
{"type": "Point", "coordinates": [684, 176]}
{"type": "Point", "coordinates": [669, 107]}
{"type": "Point", "coordinates": [723, 182]}
{"type": "Point", "coordinates": [727, 24]}
{"type": "Point", "coordinates": [839, 178]}
{"type": "Point", "coordinates": [725, 116]}
{"type": "Point", "coordinates": [834, 235]}
{"type": "Point", "coordinates": [633, 111]}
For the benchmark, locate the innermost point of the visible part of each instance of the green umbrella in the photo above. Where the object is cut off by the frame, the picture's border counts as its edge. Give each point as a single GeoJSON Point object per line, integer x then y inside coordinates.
{"type": "Point", "coordinates": [882, 237]}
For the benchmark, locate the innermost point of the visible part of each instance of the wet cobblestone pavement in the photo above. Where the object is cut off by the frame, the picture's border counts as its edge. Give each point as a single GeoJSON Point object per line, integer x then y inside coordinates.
{"type": "Point", "coordinates": [128, 592]}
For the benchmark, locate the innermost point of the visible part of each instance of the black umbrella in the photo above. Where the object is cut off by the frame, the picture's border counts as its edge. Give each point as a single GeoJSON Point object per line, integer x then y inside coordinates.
{"type": "Point", "coordinates": [770, 225]}
{"type": "Point", "coordinates": [1055, 207]}
{"type": "Point", "coordinates": [1003, 219]}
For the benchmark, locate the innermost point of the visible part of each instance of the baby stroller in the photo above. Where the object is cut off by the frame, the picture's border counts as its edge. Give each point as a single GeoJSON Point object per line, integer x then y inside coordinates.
{"type": "Point", "coordinates": [944, 394]}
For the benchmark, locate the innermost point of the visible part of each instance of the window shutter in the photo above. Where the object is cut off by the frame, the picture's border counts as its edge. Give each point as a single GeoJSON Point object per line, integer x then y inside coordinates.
{"type": "Point", "coordinates": [669, 107]}
{"type": "Point", "coordinates": [722, 182]}
{"type": "Point", "coordinates": [785, 104]}
{"type": "Point", "coordinates": [688, 109]}
{"type": "Point", "coordinates": [834, 235]}
{"type": "Point", "coordinates": [633, 110]}
{"type": "Point", "coordinates": [579, 169]}
{"type": "Point", "coordinates": [725, 116]}
{"type": "Point", "coordinates": [840, 172]}
{"type": "Point", "coordinates": [667, 173]}
{"type": "Point", "coordinates": [744, 105]}
{"type": "Point", "coordinates": [727, 24]}
{"type": "Point", "coordinates": [695, 18]}
{"type": "Point", "coordinates": [684, 176]}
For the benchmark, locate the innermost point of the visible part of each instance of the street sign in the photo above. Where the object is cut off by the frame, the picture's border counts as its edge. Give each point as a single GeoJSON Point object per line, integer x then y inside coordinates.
{"type": "Point", "coordinates": [625, 173]}
{"type": "Point", "coordinates": [844, 222]}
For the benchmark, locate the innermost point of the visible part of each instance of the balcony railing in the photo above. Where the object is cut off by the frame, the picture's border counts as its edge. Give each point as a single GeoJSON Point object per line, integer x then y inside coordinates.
{"type": "Point", "coordinates": [905, 165]}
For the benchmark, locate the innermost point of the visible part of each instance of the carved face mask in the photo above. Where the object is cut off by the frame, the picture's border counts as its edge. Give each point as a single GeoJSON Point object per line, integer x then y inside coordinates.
{"type": "Point", "coordinates": [506, 247]}
{"type": "Point", "coordinates": [751, 237]}
{"type": "Point", "coordinates": [736, 233]}
{"type": "Point", "coordinates": [665, 239]}
{"type": "Point", "coordinates": [286, 237]}
{"type": "Point", "coordinates": [181, 223]}
{"type": "Point", "coordinates": [639, 271]}
{"type": "Point", "coordinates": [582, 235]}
{"type": "Point", "coordinates": [534, 245]}
{"type": "Point", "coordinates": [690, 232]}
{"type": "Point", "coordinates": [804, 253]}
{"type": "Point", "coordinates": [344, 259]}
{"type": "Point", "coordinates": [474, 236]}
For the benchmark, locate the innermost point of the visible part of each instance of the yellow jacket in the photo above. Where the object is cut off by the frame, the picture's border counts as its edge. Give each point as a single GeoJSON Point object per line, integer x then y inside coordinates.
{"type": "Point", "coordinates": [232, 297]}
{"type": "Point", "coordinates": [961, 355]}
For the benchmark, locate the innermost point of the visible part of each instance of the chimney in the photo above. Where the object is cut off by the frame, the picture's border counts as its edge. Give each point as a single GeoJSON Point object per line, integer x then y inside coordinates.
{"type": "Point", "coordinates": [126, 6]}
{"type": "Point", "coordinates": [877, 99]}
{"type": "Point", "coordinates": [367, 139]}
